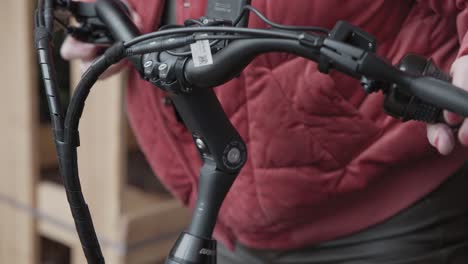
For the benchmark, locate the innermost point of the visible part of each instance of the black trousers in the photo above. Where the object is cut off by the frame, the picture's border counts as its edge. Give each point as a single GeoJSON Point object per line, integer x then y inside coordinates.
{"type": "Point", "coordinates": [432, 231]}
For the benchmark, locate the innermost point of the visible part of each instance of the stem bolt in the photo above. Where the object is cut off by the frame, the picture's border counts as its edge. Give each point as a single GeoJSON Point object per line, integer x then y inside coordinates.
{"type": "Point", "coordinates": [200, 144]}
{"type": "Point", "coordinates": [234, 156]}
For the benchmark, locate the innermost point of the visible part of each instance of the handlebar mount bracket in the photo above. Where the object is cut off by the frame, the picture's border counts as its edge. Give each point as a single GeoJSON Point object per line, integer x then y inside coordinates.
{"type": "Point", "coordinates": [347, 33]}
{"type": "Point", "coordinates": [90, 29]}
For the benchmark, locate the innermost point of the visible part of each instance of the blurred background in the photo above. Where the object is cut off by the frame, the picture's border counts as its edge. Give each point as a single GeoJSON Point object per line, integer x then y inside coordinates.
{"type": "Point", "coordinates": [136, 220]}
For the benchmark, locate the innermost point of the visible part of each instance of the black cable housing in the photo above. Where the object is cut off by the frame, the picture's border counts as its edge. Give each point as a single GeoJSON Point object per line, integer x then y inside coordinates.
{"type": "Point", "coordinates": [49, 14]}
{"type": "Point", "coordinates": [234, 30]}
{"type": "Point", "coordinates": [68, 157]}
{"type": "Point", "coordinates": [66, 138]}
{"type": "Point", "coordinates": [280, 26]}
{"type": "Point", "coordinates": [39, 16]}
{"type": "Point", "coordinates": [43, 37]}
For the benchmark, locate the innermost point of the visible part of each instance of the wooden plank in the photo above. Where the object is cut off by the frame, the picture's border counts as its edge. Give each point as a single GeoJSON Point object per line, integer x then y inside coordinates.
{"type": "Point", "coordinates": [55, 219]}
{"type": "Point", "coordinates": [77, 255]}
{"type": "Point", "coordinates": [152, 226]}
{"type": "Point", "coordinates": [152, 253]}
{"type": "Point", "coordinates": [136, 201]}
{"type": "Point", "coordinates": [47, 152]}
{"type": "Point", "coordinates": [132, 143]}
{"type": "Point", "coordinates": [148, 229]}
{"type": "Point", "coordinates": [161, 219]}
{"type": "Point", "coordinates": [18, 113]}
{"type": "Point", "coordinates": [102, 155]}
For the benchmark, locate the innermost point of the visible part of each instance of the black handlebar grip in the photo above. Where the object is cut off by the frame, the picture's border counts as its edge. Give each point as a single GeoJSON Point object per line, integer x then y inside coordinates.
{"type": "Point", "coordinates": [432, 71]}
{"type": "Point", "coordinates": [418, 109]}
{"type": "Point", "coordinates": [116, 17]}
{"type": "Point", "coordinates": [423, 100]}
{"type": "Point", "coordinates": [439, 93]}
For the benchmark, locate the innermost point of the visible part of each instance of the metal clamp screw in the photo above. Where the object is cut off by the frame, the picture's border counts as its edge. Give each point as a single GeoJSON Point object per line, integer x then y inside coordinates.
{"type": "Point", "coordinates": [234, 156]}
{"type": "Point", "coordinates": [200, 144]}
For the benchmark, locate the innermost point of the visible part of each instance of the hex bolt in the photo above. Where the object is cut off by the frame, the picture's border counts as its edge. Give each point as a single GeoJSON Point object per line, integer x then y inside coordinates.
{"type": "Point", "coordinates": [148, 64]}
{"type": "Point", "coordinates": [234, 156]}
{"type": "Point", "coordinates": [200, 144]}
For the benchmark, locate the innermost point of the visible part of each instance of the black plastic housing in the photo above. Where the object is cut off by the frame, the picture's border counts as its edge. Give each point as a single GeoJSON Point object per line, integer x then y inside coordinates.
{"type": "Point", "coordinates": [227, 10]}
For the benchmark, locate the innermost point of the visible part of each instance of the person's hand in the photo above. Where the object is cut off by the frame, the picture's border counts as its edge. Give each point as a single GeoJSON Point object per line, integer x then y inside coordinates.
{"type": "Point", "coordinates": [441, 136]}
{"type": "Point", "coordinates": [73, 49]}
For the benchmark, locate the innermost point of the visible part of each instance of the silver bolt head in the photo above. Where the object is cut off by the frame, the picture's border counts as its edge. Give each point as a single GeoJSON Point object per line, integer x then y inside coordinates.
{"type": "Point", "coordinates": [162, 67]}
{"type": "Point", "coordinates": [200, 144]}
{"type": "Point", "coordinates": [234, 156]}
{"type": "Point", "coordinates": [148, 64]}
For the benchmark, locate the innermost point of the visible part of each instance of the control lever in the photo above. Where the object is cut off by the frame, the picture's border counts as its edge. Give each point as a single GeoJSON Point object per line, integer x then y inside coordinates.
{"type": "Point", "coordinates": [400, 104]}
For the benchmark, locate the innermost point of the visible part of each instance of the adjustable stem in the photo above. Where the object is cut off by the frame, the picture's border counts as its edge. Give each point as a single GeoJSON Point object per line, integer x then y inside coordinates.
{"type": "Point", "coordinates": [213, 188]}
{"type": "Point", "coordinates": [205, 119]}
{"type": "Point", "coordinates": [223, 153]}
{"type": "Point", "coordinates": [195, 245]}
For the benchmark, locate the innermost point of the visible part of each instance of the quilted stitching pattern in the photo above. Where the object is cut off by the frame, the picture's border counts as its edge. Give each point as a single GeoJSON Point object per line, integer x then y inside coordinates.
{"type": "Point", "coordinates": [317, 146]}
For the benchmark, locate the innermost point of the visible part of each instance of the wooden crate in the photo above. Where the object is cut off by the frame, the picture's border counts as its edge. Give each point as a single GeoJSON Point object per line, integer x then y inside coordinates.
{"type": "Point", "coordinates": [18, 150]}
{"type": "Point", "coordinates": [144, 233]}
{"type": "Point", "coordinates": [134, 227]}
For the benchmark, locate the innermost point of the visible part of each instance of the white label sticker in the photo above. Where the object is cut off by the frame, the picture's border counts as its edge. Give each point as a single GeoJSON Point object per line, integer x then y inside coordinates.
{"type": "Point", "coordinates": [201, 53]}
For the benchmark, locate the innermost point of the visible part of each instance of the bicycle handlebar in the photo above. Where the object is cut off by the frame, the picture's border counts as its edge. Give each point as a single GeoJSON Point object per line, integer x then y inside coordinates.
{"type": "Point", "coordinates": [230, 61]}
{"type": "Point", "coordinates": [116, 18]}
{"type": "Point", "coordinates": [439, 93]}
{"type": "Point", "coordinates": [221, 148]}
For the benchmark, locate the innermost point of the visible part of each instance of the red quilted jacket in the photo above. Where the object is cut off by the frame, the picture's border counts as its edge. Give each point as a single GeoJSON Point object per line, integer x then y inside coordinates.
{"type": "Point", "coordinates": [324, 160]}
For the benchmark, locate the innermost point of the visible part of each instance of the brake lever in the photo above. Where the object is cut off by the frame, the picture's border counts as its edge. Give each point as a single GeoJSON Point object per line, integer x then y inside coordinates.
{"type": "Point", "coordinates": [352, 51]}
{"type": "Point", "coordinates": [90, 29]}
